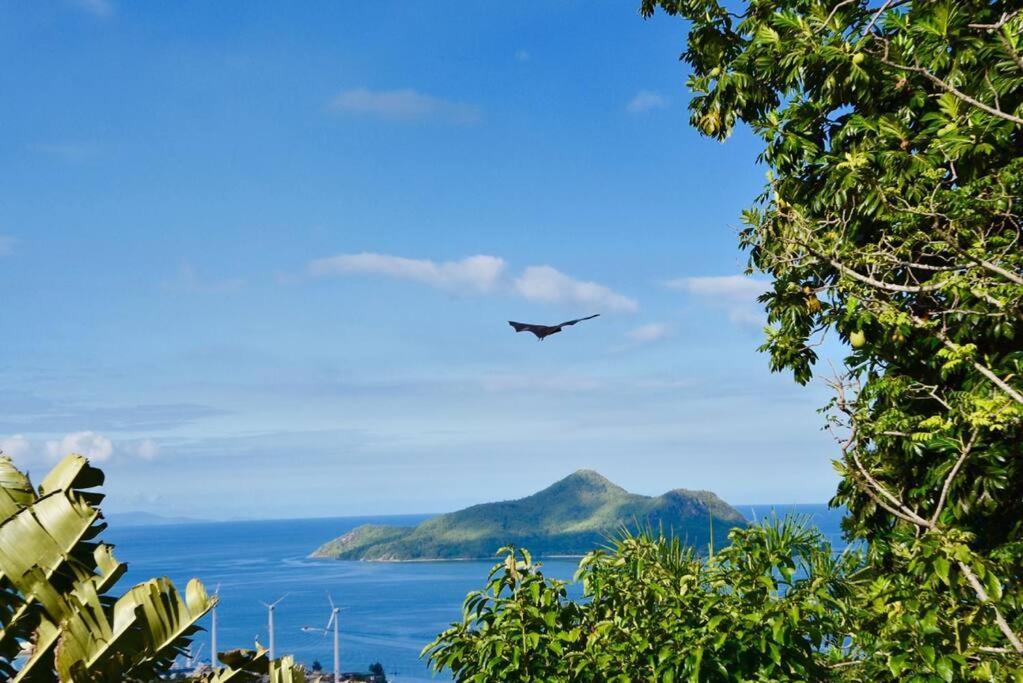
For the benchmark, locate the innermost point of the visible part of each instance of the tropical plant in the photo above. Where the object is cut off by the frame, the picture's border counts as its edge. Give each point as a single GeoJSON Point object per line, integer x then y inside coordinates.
{"type": "Point", "coordinates": [518, 628]}
{"type": "Point", "coordinates": [774, 605]}
{"type": "Point", "coordinates": [58, 620]}
{"type": "Point", "coordinates": [893, 134]}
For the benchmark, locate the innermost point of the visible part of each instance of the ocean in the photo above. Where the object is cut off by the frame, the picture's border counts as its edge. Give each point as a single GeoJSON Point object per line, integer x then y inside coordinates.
{"type": "Point", "coordinates": [389, 610]}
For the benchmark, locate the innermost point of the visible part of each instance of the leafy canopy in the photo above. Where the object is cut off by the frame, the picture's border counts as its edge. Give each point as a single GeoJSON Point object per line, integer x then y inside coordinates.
{"type": "Point", "coordinates": [891, 218]}
{"type": "Point", "coordinates": [892, 132]}
{"type": "Point", "coordinates": [762, 609]}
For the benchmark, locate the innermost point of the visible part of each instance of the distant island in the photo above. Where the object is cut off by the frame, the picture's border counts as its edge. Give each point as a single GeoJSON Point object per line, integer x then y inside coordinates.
{"type": "Point", "coordinates": [568, 518]}
{"type": "Point", "coordinates": [139, 518]}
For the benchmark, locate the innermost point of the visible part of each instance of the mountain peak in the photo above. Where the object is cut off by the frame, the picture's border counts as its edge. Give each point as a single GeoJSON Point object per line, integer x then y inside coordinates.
{"type": "Point", "coordinates": [583, 480]}
{"type": "Point", "coordinates": [592, 476]}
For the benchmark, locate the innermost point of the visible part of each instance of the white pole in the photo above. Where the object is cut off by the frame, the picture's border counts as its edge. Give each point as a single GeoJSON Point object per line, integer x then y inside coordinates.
{"type": "Point", "coordinates": [213, 640]}
{"type": "Point", "coordinates": [270, 626]}
{"type": "Point", "coordinates": [337, 651]}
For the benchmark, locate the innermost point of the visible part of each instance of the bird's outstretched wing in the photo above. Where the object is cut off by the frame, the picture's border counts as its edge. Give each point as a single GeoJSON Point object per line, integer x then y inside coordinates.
{"type": "Point", "coordinates": [527, 327]}
{"type": "Point", "coordinates": [579, 320]}
{"type": "Point", "coordinates": [540, 331]}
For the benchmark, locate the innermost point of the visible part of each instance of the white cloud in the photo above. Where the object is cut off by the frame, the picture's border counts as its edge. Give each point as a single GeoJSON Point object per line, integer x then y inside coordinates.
{"type": "Point", "coordinates": [99, 8]}
{"type": "Point", "coordinates": [6, 244]}
{"type": "Point", "coordinates": [646, 100]}
{"type": "Point", "coordinates": [402, 105]}
{"type": "Point", "coordinates": [732, 287]}
{"type": "Point", "coordinates": [480, 273]}
{"type": "Point", "coordinates": [649, 333]}
{"type": "Point", "coordinates": [544, 283]}
{"type": "Point", "coordinates": [522, 56]}
{"type": "Point", "coordinates": [736, 294]}
{"type": "Point", "coordinates": [93, 446]}
{"type": "Point", "coordinates": [17, 446]}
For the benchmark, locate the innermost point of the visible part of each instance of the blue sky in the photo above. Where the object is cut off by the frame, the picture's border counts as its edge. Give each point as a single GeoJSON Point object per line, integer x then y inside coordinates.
{"type": "Point", "coordinates": [257, 259]}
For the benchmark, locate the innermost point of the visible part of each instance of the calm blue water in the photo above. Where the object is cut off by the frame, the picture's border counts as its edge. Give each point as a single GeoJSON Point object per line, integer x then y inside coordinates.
{"type": "Point", "coordinates": [391, 610]}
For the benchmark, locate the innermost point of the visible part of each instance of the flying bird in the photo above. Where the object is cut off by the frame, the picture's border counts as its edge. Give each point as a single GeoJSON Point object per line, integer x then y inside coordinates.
{"type": "Point", "coordinates": [542, 331]}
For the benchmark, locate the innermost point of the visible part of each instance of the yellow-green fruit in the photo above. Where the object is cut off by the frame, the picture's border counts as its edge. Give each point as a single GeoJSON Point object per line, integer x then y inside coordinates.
{"type": "Point", "coordinates": [813, 304]}
{"type": "Point", "coordinates": [858, 58]}
{"type": "Point", "coordinates": [898, 338]}
{"type": "Point", "coordinates": [857, 339]}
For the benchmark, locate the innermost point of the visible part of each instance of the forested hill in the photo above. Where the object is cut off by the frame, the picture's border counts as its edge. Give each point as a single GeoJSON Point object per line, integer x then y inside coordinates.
{"type": "Point", "coordinates": [570, 517]}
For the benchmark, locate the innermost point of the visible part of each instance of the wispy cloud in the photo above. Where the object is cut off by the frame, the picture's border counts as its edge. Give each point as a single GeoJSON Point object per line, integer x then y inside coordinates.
{"type": "Point", "coordinates": [6, 244]}
{"type": "Point", "coordinates": [403, 105]}
{"type": "Point", "coordinates": [99, 8]}
{"type": "Point", "coordinates": [646, 334]}
{"type": "Point", "coordinates": [93, 446]}
{"type": "Point", "coordinates": [479, 274]}
{"type": "Point", "coordinates": [547, 284]}
{"type": "Point", "coordinates": [147, 449]}
{"type": "Point", "coordinates": [22, 412]}
{"type": "Point", "coordinates": [522, 56]}
{"type": "Point", "coordinates": [736, 294]}
{"type": "Point", "coordinates": [737, 288]}
{"type": "Point", "coordinates": [535, 383]}
{"type": "Point", "coordinates": [645, 100]}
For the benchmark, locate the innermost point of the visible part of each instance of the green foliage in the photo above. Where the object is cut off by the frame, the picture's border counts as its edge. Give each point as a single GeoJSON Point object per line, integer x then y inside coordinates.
{"type": "Point", "coordinates": [770, 606]}
{"type": "Point", "coordinates": [54, 581]}
{"type": "Point", "coordinates": [893, 136]}
{"type": "Point", "coordinates": [57, 619]}
{"type": "Point", "coordinates": [892, 132]}
{"type": "Point", "coordinates": [570, 517]}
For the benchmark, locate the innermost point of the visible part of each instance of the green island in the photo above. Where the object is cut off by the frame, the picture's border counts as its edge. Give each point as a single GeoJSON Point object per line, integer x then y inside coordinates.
{"type": "Point", "coordinates": [568, 518]}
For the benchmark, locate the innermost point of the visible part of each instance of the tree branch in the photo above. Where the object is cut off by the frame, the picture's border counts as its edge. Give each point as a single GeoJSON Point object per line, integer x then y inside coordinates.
{"type": "Point", "coordinates": [877, 16]}
{"type": "Point", "coordinates": [984, 370]}
{"type": "Point", "coordinates": [952, 475]}
{"type": "Point", "coordinates": [1003, 625]}
{"type": "Point", "coordinates": [910, 289]}
{"type": "Point", "coordinates": [983, 263]}
{"type": "Point", "coordinates": [902, 511]}
{"type": "Point", "coordinates": [953, 90]}
{"type": "Point", "coordinates": [834, 9]}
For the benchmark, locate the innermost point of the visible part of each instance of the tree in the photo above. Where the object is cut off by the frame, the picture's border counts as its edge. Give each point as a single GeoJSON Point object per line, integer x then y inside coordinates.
{"type": "Point", "coordinates": [57, 619]}
{"type": "Point", "coordinates": [771, 606]}
{"type": "Point", "coordinates": [376, 668]}
{"type": "Point", "coordinates": [893, 135]}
